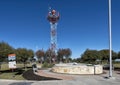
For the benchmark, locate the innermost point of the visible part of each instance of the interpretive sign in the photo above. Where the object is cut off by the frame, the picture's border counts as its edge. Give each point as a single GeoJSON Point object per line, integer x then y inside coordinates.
{"type": "Point", "coordinates": [12, 61]}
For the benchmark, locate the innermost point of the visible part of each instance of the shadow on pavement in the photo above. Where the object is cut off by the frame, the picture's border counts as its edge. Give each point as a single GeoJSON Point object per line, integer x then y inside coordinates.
{"type": "Point", "coordinates": [29, 75]}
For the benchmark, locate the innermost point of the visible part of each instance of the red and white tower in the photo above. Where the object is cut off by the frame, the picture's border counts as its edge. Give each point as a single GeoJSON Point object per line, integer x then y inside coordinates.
{"type": "Point", "coordinates": [53, 18]}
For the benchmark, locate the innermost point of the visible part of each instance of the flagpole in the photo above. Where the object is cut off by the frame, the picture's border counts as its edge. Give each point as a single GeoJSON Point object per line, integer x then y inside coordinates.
{"type": "Point", "coordinates": [110, 41]}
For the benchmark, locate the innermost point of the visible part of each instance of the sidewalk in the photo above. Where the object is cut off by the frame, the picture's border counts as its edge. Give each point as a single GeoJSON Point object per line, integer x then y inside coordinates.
{"type": "Point", "coordinates": [47, 73]}
{"type": "Point", "coordinates": [69, 79]}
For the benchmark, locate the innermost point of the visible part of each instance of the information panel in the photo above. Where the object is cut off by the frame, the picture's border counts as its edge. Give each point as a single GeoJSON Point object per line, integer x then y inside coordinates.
{"type": "Point", "coordinates": [12, 61]}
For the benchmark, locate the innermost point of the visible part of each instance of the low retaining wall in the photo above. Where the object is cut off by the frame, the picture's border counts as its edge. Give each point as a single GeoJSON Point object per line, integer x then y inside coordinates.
{"type": "Point", "coordinates": [78, 69]}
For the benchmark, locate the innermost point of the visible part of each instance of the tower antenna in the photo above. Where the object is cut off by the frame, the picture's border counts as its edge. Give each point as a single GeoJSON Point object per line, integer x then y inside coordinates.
{"type": "Point", "coordinates": [53, 18]}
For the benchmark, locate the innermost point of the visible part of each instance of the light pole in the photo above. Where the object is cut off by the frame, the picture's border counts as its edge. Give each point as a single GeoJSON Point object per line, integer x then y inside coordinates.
{"type": "Point", "coordinates": [110, 40]}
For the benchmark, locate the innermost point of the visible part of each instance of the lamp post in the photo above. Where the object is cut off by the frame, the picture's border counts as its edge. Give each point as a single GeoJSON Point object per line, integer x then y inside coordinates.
{"type": "Point", "coordinates": [110, 40]}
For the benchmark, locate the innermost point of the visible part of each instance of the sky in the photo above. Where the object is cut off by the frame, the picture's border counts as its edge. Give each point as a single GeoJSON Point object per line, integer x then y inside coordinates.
{"type": "Point", "coordinates": [83, 24]}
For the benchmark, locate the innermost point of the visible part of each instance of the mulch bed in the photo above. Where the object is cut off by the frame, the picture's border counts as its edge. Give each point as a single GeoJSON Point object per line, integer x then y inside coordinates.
{"type": "Point", "coordinates": [29, 75]}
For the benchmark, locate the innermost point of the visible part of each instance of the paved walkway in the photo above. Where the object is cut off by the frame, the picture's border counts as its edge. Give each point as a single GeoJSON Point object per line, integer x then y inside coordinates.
{"type": "Point", "coordinates": [69, 79]}
{"type": "Point", "coordinates": [47, 73]}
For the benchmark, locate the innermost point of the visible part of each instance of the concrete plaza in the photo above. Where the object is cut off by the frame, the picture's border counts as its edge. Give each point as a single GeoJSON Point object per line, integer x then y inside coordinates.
{"type": "Point", "coordinates": [74, 80]}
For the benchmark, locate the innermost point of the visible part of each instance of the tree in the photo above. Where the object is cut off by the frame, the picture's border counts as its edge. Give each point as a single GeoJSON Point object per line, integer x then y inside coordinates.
{"type": "Point", "coordinates": [30, 54]}
{"type": "Point", "coordinates": [5, 49]}
{"type": "Point", "coordinates": [40, 55]}
{"type": "Point", "coordinates": [67, 54]}
{"type": "Point", "coordinates": [50, 55]}
{"type": "Point", "coordinates": [60, 54]}
{"type": "Point", "coordinates": [93, 55]}
{"type": "Point", "coordinates": [114, 55]}
{"type": "Point", "coordinates": [90, 56]}
{"type": "Point", "coordinates": [118, 56]}
{"type": "Point", "coordinates": [23, 54]}
{"type": "Point", "coordinates": [64, 53]}
{"type": "Point", "coordinates": [78, 60]}
{"type": "Point", "coordinates": [105, 55]}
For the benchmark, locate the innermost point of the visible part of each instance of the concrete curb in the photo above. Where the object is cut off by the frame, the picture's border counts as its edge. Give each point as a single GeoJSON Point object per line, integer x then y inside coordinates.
{"type": "Point", "coordinates": [17, 80]}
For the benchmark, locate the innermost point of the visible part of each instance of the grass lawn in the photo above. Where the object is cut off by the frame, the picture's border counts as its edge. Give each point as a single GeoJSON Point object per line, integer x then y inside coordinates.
{"type": "Point", "coordinates": [16, 74]}
{"type": "Point", "coordinates": [21, 74]}
{"type": "Point", "coordinates": [117, 65]}
{"type": "Point", "coordinates": [12, 76]}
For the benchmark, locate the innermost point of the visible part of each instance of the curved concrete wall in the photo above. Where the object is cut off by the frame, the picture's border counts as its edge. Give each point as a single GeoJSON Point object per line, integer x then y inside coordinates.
{"type": "Point", "coordinates": [78, 69]}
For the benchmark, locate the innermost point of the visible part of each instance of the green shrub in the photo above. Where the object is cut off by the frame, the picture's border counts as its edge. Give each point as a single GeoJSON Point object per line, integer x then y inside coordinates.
{"type": "Point", "coordinates": [47, 65]}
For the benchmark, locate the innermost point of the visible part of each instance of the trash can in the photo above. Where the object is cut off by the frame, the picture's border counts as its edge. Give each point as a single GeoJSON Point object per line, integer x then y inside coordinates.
{"type": "Point", "coordinates": [34, 66]}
